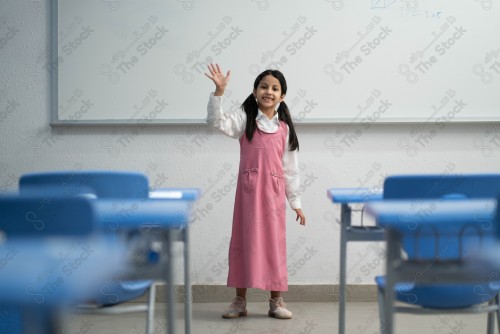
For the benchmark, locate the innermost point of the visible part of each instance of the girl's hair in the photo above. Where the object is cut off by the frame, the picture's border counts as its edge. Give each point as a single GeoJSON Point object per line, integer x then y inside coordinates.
{"type": "Point", "coordinates": [250, 108]}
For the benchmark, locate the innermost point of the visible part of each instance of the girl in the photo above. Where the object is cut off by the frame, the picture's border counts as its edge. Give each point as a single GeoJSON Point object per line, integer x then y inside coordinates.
{"type": "Point", "coordinates": [268, 172]}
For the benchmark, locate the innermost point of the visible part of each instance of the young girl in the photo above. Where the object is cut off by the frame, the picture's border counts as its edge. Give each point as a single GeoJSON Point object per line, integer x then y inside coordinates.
{"type": "Point", "coordinates": [268, 172]}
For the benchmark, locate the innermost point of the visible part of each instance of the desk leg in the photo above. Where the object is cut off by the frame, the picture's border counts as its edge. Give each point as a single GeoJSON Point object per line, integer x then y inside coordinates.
{"type": "Point", "coordinates": [150, 325]}
{"type": "Point", "coordinates": [393, 249]}
{"type": "Point", "coordinates": [170, 284]}
{"type": "Point", "coordinates": [345, 221]}
{"type": "Point", "coordinates": [188, 301]}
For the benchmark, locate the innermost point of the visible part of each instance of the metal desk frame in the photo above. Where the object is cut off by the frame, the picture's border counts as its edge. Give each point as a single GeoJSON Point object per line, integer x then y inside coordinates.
{"type": "Point", "coordinates": [163, 270]}
{"type": "Point", "coordinates": [349, 232]}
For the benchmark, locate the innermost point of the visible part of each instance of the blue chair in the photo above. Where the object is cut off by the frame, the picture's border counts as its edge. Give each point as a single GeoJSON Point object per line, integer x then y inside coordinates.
{"type": "Point", "coordinates": [109, 185]}
{"type": "Point", "coordinates": [415, 243]}
{"type": "Point", "coordinates": [41, 241]}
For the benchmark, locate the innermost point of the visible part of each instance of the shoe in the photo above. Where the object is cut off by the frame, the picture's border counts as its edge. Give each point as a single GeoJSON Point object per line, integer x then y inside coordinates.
{"type": "Point", "coordinates": [277, 309]}
{"type": "Point", "coordinates": [238, 308]}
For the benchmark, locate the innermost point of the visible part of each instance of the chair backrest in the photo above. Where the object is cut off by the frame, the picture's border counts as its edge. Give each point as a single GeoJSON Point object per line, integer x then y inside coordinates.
{"type": "Point", "coordinates": [447, 186]}
{"type": "Point", "coordinates": [33, 216]}
{"type": "Point", "coordinates": [102, 184]}
{"type": "Point", "coordinates": [431, 242]}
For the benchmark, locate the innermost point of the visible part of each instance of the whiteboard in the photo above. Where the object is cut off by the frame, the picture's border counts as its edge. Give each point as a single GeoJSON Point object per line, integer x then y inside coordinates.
{"type": "Point", "coordinates": [371, 61]}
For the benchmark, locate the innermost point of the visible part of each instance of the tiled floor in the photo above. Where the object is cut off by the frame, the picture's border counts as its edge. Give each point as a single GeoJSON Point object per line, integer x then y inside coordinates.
{"type": "Point", "coordinates": [362, 318]}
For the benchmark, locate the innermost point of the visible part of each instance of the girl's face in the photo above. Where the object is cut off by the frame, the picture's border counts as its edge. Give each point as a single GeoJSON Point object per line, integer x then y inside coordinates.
{"type": "Point", "coordinates": [268, 93]}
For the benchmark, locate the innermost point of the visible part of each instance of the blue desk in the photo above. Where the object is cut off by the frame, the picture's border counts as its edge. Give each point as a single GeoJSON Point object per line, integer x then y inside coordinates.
{"type": "Point", "coordinates": [349, 232]}
{"type": "Point", "coordinates": [167, 212]}
{"type": "Point", "coordinates": [123, 214]}
{"type": "Point", "coordinates": [396, 214]}
{"type": "Point", "coordinates": [191, 195]}
{"type": "Point", "coordinates": [399, 217]}
{"type": "Point", "coordinates": [128, 207]}
{"type": "Point", "coordinates": [47, 266]}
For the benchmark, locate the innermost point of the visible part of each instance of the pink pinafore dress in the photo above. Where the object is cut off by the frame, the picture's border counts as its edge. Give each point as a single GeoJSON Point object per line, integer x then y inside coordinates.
{"type": "Point", "coordinates": [257, 252]}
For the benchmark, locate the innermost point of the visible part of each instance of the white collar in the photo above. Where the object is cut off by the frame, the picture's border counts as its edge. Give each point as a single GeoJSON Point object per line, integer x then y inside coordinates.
{"type": "Point", "coordinates": [261, 115]}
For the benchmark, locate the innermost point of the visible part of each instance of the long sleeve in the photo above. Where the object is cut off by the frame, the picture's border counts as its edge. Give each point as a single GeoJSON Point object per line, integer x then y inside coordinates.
{"type": "Point", "coordinates": [232, 124]}
{"type": "Point", "coordinates": [292, 177]}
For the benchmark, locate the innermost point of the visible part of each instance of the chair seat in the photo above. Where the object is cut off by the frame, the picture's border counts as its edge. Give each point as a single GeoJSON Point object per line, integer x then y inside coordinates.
{"type": "Point", "coordinates": [442, 296]}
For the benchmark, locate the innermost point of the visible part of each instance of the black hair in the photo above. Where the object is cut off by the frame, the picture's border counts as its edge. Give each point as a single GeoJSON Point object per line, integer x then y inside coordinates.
{"type": "Point", "coordinates": [251, 108]}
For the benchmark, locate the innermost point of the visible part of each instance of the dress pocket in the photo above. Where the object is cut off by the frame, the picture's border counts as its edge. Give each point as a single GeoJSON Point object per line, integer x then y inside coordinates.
{"type": "Point", "coordinates": [278, 183]}
{"type": "Point", "coordinates": [249, 176]}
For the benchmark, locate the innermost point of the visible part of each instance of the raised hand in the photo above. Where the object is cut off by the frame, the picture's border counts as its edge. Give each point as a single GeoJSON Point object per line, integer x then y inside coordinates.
{"type": "Point", "coordinates": [220, 80]}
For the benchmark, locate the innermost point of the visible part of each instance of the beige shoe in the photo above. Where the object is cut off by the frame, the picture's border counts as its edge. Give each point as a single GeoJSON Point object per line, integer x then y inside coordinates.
{"type": "Point", "coordinates": [238, 308]}
{"type": "Point", "coordinates": [277, 309]}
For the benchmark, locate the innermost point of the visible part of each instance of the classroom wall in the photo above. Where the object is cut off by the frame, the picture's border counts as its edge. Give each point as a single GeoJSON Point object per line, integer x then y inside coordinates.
{"type": "Point", "coordinates": [196, 156]}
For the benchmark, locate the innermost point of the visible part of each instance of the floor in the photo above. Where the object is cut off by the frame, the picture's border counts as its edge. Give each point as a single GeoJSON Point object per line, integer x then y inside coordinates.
{"type": "Point", "coordinates": [307, 318]}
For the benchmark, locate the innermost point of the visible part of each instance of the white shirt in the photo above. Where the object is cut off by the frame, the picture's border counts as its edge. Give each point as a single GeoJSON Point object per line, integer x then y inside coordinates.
{"type": "Point", "coordinates": [233, 125]}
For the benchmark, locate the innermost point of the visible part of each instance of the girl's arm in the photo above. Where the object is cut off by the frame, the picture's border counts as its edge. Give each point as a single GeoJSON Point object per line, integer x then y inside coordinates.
{"type": "Point", "coordinates": [233, 123]}
{"type": "Point", "coordinates": [292, 181]}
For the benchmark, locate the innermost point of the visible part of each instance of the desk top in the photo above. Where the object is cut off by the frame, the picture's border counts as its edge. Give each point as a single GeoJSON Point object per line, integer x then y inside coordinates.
{"type": "Point", "coordinates": [398, 214]}
{"type": "Point", "coordinates": [166, 208]}
{"type": "Point", "coordinates": [131, 214]}
{"type": "Point", "coordinates": [175, 193]}
{"type": "Point", "coordinates": [354, 195]}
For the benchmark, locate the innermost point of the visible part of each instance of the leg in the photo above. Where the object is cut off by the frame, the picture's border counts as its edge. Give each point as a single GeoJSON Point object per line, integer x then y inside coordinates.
{"type": "Point", "coordinates": [151, 309]}
{"type": "Point", "coordinates": [241, 292]}
{"type": "Point", "coordinates": [381, 309]}
{"type": "Point", "coordinates": [490, 323]}
{"type": "Point", "coordinates": [170, 284]}
{"type": "Point", "coordinates": [393, 254]}
{"type": "Point", "coordinates": [497, 302]}
{"type": "Point", "coordinates": [275, 294]}
{"type": "Point", "coordinates": [188, 301]}
{"type": "Point", "coordinates": [345, 216]}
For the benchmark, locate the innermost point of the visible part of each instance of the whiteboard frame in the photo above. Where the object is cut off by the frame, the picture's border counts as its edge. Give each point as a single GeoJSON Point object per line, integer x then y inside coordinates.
{"type": "Point", "coordinates": [55, 121]}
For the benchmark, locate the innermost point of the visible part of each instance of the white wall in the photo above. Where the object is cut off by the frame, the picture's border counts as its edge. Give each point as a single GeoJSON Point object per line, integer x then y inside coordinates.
{"type": "Point", "coordinates": [188, 156]}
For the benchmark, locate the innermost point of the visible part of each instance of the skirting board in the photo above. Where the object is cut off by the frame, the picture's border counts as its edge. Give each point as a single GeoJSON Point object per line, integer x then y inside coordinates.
{"type": "Point", "coordinates": [295, 293]}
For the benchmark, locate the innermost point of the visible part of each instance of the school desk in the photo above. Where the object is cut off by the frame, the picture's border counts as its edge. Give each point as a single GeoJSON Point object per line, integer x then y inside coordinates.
{"type": "Point", "coordinates": [346, 197]}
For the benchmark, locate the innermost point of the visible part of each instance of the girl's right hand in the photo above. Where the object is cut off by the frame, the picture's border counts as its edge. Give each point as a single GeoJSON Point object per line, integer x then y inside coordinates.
{"type": "Point", "coordinates": [220, 80]}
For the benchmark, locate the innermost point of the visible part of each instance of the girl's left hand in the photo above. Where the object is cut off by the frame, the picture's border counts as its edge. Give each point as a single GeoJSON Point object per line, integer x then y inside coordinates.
{"type": "Point", "coordinates": [300, 215]}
